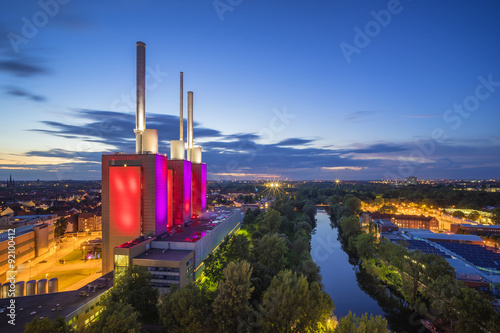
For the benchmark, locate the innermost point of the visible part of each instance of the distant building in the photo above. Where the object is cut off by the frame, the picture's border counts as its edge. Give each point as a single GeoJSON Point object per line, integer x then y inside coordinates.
{"type": "Point", "coordinates": [31, 242]}
{"type": "Point", "coordinates": [411, 180]}
{"type": "Point", "coordinates": [476, 229]}
{"type": "Point", "coordinates": [10, 182]}
{"type": "Point", "coordinates": [89, 222]}
{"type": "Point", "coordinates": [403, 221]}
{"type": "Point", "coordinates": [386, 225]}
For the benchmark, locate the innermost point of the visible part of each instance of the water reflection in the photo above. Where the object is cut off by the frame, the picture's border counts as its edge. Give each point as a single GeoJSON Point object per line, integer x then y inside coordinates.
{"type": "Point", "coordinates": [350, 287]}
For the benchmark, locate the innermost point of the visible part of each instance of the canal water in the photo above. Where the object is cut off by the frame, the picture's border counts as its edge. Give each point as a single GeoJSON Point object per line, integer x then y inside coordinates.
{"type": "Point", "coordinates": [350, 288]}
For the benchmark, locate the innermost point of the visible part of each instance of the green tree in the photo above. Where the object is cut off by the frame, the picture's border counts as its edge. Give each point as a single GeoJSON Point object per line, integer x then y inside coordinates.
{"type": "Point", "coordinates": [46, 325]}
{"type": "Point", "coordinates": [271, 222]}
{"type": "Point", "coordinates": [474, 216]}
{"type": "Point", "coordinates": [365, 245]}
{"type": "Point", "coordinates": [495, 215]}
{"type": "Point", "coordinates": [291, 304]}
{"type": "Point", "coordinates": [310, 211]}
{"type": "Point", "coordinates": [475, 310]}
{"type": "Point", "coordinates": [215, 262]}
{"type": "Point", "coordinates": [388, 209]}
{"type": "Point", "coordinates": [118, 317]}
{"type": "Point", "coordinates": [60, 226]}
{"type": "Point", "coordinates": [237, 249]}
{"type": "Point", "coordinates": [187, 310]}
{"type": "Point", "coordinates": [353, 324]}
{"type": "Point", "coordinates": [134, 287]}
{"type": "Point", "coordinates": [458, 214]}
{"type": "Point", "coordinates": [231, 306]}
{"type": "Point", "coordinates": [249, 217]}
{"type": "Point", "coordinates": [353, 203]}
{"type": "Point", "coordinates": [350, 227]}
{"type": "Point", "coordinates": [270, 251]}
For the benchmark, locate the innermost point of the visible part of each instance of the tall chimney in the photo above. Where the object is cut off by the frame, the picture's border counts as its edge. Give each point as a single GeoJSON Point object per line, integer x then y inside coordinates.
{"type": "Point", "coordinates": [181, 117]}
{"type": "Point", "coordinates": [190, 120]}
{"type": "Point", "coordinates": [140, 120]}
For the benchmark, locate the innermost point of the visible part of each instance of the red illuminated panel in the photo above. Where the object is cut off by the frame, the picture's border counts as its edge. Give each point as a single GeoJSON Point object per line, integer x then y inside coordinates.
{"type": "Point", "coordinates": [125, 201]}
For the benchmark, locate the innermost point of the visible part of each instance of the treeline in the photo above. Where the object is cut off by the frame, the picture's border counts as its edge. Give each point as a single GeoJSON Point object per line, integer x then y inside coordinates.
{"type": "Point", "coordinates": [426, 282]}
{"type": "Point", "coordinates": [431, 195]}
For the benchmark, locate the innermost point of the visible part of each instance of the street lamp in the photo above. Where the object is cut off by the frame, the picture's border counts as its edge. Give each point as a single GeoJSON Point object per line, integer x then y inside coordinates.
{"type": "Point", "coordinates": [30, 267]}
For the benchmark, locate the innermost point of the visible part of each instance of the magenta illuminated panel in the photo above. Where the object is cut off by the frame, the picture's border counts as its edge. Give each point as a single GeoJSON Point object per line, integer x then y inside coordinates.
{"type": "Point", "coordinates": [203, 187]}
{"type": "Point", "coordinates": [125, 201]}
{"type": "Point", "coordinates": [161, 194]}
{"type": "Point", "coordinates": [181, 190]}
{"type": "Point", "coordinates": [199, 189]}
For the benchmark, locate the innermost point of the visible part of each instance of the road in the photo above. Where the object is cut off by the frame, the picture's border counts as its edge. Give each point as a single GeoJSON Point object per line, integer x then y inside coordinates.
{"type": "Point", "coordinates": [28, 270]}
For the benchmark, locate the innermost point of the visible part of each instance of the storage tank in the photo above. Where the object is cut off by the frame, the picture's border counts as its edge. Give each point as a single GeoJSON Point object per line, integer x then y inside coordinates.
{"type": "Point", "coordinates": [53, 285]}
{"type": "Point", "coordinates": [42, 286]}
{"type": "Point", "coordinates": [19, 288]}
{"type": "Point", "coordinates": [5, 290]}
{"type": "Point", "coordinates": [31, 287]}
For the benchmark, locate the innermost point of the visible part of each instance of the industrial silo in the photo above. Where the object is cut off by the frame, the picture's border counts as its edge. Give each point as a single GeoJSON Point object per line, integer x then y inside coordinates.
{"type": "Point", "coordinates": [42, 286]}
{"type": "Point", "coordinates": [53, 285]}
{"type": "Point", "coordinates": [31, 287]}
{"type": "Point", "coordinates": [19, 288]}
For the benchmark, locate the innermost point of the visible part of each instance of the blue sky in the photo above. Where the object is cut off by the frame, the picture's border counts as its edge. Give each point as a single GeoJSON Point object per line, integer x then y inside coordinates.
{"type": "Point", "coordinates": [298, 90]}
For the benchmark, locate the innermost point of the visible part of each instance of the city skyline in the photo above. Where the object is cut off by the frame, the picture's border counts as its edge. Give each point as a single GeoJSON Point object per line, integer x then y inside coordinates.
{"type": "Point", "coordinates": [359, 90]}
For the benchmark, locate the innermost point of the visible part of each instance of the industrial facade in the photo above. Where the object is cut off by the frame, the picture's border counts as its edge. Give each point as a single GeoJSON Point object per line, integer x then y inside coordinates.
{"type": "Point", "coordinates": [147, 193]}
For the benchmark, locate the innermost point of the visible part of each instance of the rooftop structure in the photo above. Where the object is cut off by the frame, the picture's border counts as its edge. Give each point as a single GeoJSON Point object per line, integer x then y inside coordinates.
{"type": "Point", "coordinates": [78, 307]}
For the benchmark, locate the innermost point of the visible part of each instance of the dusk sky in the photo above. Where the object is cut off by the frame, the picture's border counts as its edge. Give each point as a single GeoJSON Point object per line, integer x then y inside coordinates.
{"type": "Point", "coordinates": [291, 89]}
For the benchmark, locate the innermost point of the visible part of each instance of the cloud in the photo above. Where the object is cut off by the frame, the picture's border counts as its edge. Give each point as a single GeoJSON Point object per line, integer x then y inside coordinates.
{"type": "Point", "coordinates": [376, 149]}
{"type": "Point", "coordinates": [19, 92]}
{"type": "Point", "coordinates": [358, 116]}
{"type": "Point", "coordinates": [343, 168]}
{"type": "Point", "coordinates": [21, 68]}
{"type": "Point", "coordinates": [243, 156]}
{"type": "Point", "coordinates": [294, 142]}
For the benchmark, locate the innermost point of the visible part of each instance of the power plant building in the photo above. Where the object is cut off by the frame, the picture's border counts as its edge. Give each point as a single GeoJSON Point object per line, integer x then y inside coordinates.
{"type": "Point", "coordinates": [154, 207]}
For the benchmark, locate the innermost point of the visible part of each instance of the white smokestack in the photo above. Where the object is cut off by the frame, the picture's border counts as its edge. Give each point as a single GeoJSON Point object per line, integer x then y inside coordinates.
{"type": "Point", "coordinates": [190, 120]}
{"type": "Point", "coordinates": [140, 120]}
{"type": "Point", "coordinates": [181, 117]}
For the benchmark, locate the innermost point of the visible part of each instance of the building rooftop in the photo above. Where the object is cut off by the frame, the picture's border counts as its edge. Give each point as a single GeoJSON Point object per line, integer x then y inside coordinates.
{"type": "Point", "coordinates": [167, 255]}
{"type": "Point", "coordinates": [51, 305]}
{"type": "Point", "coordinates": [19, 231]}
{"type": "Point", "coordinates": [445, 237]}
{"type": "Point", "coordinates": [198, 228]}
{"type": "Point", "coordinates": [477, 225]}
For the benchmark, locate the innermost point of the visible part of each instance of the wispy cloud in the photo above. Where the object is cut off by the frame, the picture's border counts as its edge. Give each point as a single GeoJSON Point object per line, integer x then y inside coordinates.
{"type": "Point", "coordinates": [343, 168]}
{"type": "Point", "coordinates": [358, 116]}
{"type": "Point", "coordinates": [19, 92]}
{"type": "Point", "coordinates": [22, 67]}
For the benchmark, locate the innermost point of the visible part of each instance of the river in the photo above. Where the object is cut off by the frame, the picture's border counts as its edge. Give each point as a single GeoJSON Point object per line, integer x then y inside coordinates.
{"type": "Point", "coordinates": [352, 289]}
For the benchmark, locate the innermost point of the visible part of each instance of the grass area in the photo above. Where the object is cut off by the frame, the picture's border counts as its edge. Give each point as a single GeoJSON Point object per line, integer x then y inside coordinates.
{"type": "Point", "coordinates": [73, 257]}
{"type": "Point", "coordinates": [244, 232]}
{"type": "Point", "coordinates": [66, 278]}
